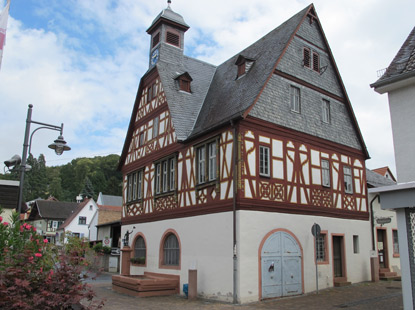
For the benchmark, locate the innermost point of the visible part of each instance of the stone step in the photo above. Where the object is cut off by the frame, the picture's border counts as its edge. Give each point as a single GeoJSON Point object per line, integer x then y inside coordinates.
{"type": "Point", "coordinates": [390, 278]}
{"type": "Point", "coordinates": [387, 274]}
{"type": "Point", "coordinates": [342, 283]}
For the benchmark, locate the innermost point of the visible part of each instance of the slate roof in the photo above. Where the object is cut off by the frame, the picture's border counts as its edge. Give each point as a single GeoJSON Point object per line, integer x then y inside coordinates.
{"type": "Point", "coordinates": [170, 15]}
{"type": "Point", "coordinates": [402, 66]}
{"type": "Point", "coordinates": [374, 179]}
{"type": "Point", "coordinates": [47, 209]}
{"type": "Point", "coordinates": [184, 107]}
{"type": "Point", "coordinates": [228, 98]}
{"type": "Point", "coordinates": [110, 200]}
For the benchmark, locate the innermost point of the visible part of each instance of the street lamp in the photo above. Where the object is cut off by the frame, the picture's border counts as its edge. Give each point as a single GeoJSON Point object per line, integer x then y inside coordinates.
{"type": "Point", "coordinates": [59, 145]}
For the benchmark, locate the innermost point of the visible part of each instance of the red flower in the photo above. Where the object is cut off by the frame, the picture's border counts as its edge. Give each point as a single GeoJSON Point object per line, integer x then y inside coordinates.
{"type": "Point", "coordinates": [5, 224]}
{"type": "Point", "coordinates": [38, 255]}
{"type": "Point", "coordinates": [1, 219]}
{"type": "Point", "coordinates": [45, 241]}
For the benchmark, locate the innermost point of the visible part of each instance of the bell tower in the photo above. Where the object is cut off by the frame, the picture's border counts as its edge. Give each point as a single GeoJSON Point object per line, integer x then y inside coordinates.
{"type": "Point", "coordinates": [167, 35]}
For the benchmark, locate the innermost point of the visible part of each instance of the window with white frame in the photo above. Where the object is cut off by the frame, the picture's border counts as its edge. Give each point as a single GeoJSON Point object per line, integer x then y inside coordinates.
{"type": "Point", "coordinates": [348, 180]}
{"type": "Point", "coordinates": [326, 111]}
{"type": "Point", "coordinates": [264, 161]}
{"type": "Point", "coordinates": [156, 122]}
{"type": "Point", "coordinates": [134, 186]}
{"type": "Point", "coordinates": [295, 99]}
{"type": "Point", "coordinates": [82, 220]}
{"type": "Point", "coordinates": [206, 155]}
{"type": "Point", "coordinates": [157, 178]}
{"type": "Point", "coordinates": [212, 161]}
{"type": "Point", "coordinates": [201, 164]}
{"type": "Point", "coordinates": [172, 174]}
{"type": "Point", "coordinates": [165, 175]}
{"type": "Point", "coordinates": [325, 172]}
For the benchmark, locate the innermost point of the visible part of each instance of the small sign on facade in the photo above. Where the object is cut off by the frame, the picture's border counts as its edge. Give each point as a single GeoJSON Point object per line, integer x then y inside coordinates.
{"type": "Point", "coordinates": [106, 241]}
{"type": "Point", "coordinates": [383, 220]}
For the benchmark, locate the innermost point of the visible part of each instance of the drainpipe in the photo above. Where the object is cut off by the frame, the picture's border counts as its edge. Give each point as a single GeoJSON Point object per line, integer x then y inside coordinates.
{"type": "Point", "coordinates": [235, 192]}
{"type": "Point", "coordinates": [372, 220]}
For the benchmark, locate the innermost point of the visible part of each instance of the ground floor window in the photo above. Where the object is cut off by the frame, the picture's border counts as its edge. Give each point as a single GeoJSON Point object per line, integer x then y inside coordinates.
{"type": "Point", "coordinates": [321, 248]}
{"type": "Point", "coordinates": [139, 251]}
{"type": "Point", "coordinates": [171, 250]}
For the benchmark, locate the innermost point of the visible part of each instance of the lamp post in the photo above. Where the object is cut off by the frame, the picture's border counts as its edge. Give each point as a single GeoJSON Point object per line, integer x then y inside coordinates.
{"type": "Point", "coordinates": [59, 146]}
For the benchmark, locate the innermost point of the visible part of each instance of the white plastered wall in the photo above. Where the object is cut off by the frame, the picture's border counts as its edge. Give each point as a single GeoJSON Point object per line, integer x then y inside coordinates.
{"type": "Point", "coordinates": [254, 226]}
{"type": "Point", "coordinates": [206, 243]}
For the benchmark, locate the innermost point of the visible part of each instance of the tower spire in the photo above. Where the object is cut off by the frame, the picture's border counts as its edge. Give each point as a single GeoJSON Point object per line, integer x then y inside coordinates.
{"type": "Point", "coordinates": [168, 4]}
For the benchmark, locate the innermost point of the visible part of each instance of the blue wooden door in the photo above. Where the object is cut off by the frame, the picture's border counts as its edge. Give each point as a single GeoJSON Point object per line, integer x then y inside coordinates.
{"type": "Point", "coordinates": [281, 266]}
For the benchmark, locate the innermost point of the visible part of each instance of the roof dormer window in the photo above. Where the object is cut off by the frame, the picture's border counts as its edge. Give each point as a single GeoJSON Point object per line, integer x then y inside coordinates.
{"type": "Point", "coordinates": [184, 82]}
{"type": "Point", "coordinates": [244, 65]}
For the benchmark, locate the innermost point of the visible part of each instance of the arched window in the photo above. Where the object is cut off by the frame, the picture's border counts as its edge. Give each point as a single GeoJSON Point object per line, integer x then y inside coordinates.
{"type": "Point", "coordinates": [171, 251]}
{"type": "Point", "coordinates": [140, 250]}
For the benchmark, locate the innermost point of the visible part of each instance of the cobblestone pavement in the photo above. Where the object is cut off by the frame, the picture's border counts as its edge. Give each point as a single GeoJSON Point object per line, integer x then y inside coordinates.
{"type": "Point", "coordinates": [385, 295]}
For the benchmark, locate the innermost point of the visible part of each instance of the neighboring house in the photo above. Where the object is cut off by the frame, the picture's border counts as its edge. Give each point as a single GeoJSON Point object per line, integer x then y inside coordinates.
{"type": "Point", "coordinates": [109, 200]}
{"type": "Point", "coordinates": [386, 172]}
{"type": "Point", "coordinates": [78, 222]}
{"type": "Point", "coordinates": [398, 82]}
{"type": "Point", "coordinates": [9, 197]}
{"type": "Point", "coordinates": [227, 168]}
{"type": "Point", "coordinates": [48, 215]}
{"type": "Point", "coordinates": [384, 227]}
{"type": "Point", "coordinates": [106, 223]}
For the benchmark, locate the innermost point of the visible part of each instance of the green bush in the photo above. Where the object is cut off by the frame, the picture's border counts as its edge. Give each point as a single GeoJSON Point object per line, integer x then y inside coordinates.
{"type": "Point", "coordinates": [37, 275]}
{"type": "Point", "coordinates": [99, 248]}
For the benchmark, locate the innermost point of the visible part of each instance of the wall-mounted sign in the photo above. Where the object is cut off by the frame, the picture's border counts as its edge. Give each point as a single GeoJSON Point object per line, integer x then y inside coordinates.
{"type": "Point", "coordinates": [383, 220]}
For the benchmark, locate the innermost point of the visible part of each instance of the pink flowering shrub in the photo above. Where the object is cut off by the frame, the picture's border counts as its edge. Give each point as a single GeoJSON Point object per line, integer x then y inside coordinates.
{"type": "Point", "coordinates": [37, 275]}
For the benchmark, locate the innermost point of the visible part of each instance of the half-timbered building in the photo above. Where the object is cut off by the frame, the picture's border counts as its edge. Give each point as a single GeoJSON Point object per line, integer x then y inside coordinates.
{"type": "Point", "coordinates": [226, 168]}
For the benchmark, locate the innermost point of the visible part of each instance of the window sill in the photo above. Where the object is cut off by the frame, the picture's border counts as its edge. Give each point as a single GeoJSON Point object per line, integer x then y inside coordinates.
{"type": "Point", "coordinates": [170, 267]}
{"type": "Point", "coordinates": [323, 263]}
{"type": "Point", "coordinates": [208, 184]}
{"type": "Point", "coordinates": [166, 194]}
{"type": "Point", "coordinates": [265, 176]}
{"type": "Point", "coordinates": [138, 265]}
{"type": "Point", "coordinates": [133, 202]}
{"type": "Point", "coordinates": [396, 255]}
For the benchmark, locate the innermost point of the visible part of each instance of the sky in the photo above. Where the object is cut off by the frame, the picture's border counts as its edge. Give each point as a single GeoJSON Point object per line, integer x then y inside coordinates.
{"type": "Point", "coordinates": [79, 62]}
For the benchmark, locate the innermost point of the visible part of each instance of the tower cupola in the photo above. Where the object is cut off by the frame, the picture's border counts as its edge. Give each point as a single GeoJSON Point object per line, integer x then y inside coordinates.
{"type": "Point", "coordinates": [167, 28]}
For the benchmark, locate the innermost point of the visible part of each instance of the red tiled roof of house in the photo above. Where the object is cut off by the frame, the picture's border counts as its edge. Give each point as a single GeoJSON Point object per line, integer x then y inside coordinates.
{"type": "Point", "coordinates": [384, 171]}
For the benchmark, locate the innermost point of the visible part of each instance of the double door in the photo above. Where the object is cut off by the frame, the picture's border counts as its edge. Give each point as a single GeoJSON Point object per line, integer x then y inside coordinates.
{"type": "Point", "coordinates": [281, 266]}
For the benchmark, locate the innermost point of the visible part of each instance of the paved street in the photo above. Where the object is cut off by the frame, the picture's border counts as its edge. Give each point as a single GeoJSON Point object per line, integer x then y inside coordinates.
{"type": "Point", "coordinates": [385, 295]}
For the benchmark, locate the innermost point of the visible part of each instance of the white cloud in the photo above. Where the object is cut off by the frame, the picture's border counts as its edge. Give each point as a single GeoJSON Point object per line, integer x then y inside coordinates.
{"type": "Point", "coordinates": [82, 67]}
